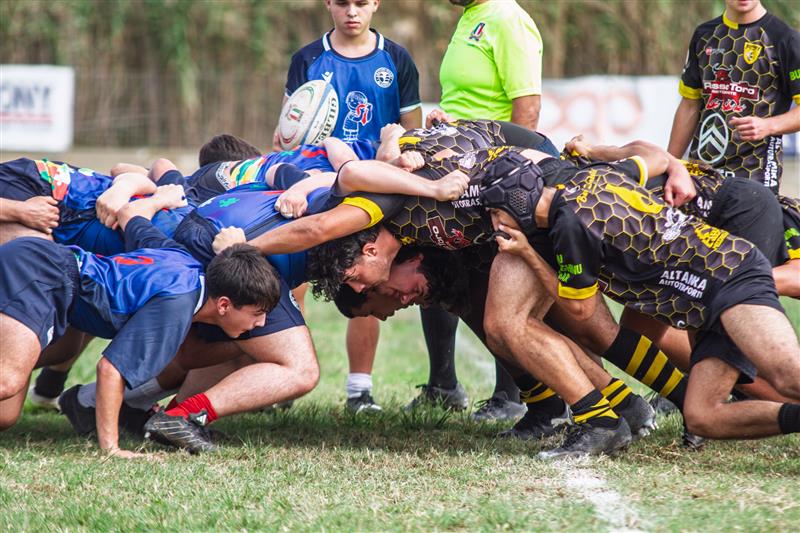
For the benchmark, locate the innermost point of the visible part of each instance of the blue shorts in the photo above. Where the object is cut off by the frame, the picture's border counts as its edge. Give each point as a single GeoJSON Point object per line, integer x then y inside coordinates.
{"type": "Point", "coordinates": [38, 281]}
{"type": "Point", "coordinates": [196, 234]}
{"type": "Point", "coordinates": [20, 181]}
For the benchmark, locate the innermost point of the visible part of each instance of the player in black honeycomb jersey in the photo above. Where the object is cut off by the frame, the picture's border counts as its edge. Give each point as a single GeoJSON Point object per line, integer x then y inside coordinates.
{"type": "Point", "coordinates": [610, 234]}
{"type": "Point", "coordinates": [741, 75]}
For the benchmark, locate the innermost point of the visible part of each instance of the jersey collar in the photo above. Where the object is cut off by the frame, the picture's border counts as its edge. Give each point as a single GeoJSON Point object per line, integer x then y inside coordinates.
{"type": "Point", "coordinates": [326, 43]}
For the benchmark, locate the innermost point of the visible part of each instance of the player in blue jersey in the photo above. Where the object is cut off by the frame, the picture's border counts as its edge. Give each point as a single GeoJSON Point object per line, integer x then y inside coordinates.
{"type": "Point", "coordinates": [126, 297]}
{"type": "Point", "coordinates": [376, 83]}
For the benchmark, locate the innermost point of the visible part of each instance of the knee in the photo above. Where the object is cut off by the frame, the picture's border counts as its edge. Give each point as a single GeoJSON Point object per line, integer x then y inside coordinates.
{"type": "Point", "coordinates": [788, 384]}
{"type": "Point", "coordinates": [700, 420]}
{"type": "Point", "coordinates": [11, 386]}
{"type": "Point", "coordinates": [9, 419]}
{"type": "Point", "coordinates": [496, 330]}
{"type": "Point", "coordinates": [306, 372]}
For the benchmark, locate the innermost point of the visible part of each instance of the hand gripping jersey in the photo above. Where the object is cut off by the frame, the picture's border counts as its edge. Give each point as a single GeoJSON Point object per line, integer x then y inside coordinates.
{"type": "Point", "coordinates": [427, 222]}
{"type": "Point", "coordinates": [607, 230]}
{"type": "Point", "coordinates": [254, 211]}
{"type": "Point", "coordinates": [373, 90]}
{"type": "Point", "coordinates": [741, 70]}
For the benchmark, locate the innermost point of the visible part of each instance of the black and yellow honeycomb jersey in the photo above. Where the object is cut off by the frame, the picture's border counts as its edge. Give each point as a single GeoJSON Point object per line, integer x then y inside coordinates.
{"type": "Point", "coordinates": [740, 70]}
{"type": "Point", "coordinates": [707, 182]}
{"type": "Point", "coordinates": [461, 136]}
{"type": "Point", "coordinates": [424, 221]}
{"type": "Point", "coordinates": [791, 225]}
{"type": "Point", "coordinates": [610, 233]}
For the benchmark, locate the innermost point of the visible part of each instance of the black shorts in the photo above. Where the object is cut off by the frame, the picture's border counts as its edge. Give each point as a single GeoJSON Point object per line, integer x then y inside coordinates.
{"type": "Point", "coordinates": [38, 280]}
{"type": "Point", "coordinates": [207, 182]}
{"type": "Point", "coordinates": [752, 285]}
{"type": "Point", "coordinates": [20, 181]}
{"type": "Point", "coordinates": [751, 211]}
{"type": "Point", "coordinates": [197, 234]}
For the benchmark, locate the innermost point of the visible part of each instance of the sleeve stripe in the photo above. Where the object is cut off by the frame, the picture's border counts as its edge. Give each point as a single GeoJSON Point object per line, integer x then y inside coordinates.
{"type": "Point", "coordinates": [796, 99]}
{"type": "Point", "coordinates": [576, 294]}
{"type": "Point", "coordinates": [794, 254]}
{"type": "Point", "coordinates": [370, 207]}
{"type": "Point", "coordinates": [643, 172]}
{"type": "Point", "coordinates": [689, 92]}
{"type": "Point", "coordinates": [410, 108]}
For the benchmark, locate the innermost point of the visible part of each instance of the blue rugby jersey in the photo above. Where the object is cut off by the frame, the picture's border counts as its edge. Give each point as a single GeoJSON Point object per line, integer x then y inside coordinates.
{"type": "Point", "coordinates": [254, 211]}
{"type": "Point", "coordinates": [373, 90]}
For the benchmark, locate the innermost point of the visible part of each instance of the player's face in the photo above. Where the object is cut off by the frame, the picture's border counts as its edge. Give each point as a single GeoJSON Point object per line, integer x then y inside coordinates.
{"type": "Point", "coordinates": [742, 7]}
{"type": "Point", "coordinates": [406, 282]}
{"type": "Point", "coordinates": [501, 217]}
{"type": "Point", "coordinates": [380, 306]}
{"type": "Point", "coordinates": [235, 321]}
{"type": "Point", "coordinates": [367, 272]}
{"type": "Point", "coordinates": [352, 17]}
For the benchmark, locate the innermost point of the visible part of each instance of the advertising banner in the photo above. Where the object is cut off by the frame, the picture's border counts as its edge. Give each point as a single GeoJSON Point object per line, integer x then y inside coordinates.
{"type": "Point", "coordinates": [36, 107]}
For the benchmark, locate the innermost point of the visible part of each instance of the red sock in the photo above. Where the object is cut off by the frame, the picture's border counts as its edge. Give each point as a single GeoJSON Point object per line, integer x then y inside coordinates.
{"type": "Point", "coordinates": [194, 405]}
{"type": "Point", "coordinates": [173, 403]}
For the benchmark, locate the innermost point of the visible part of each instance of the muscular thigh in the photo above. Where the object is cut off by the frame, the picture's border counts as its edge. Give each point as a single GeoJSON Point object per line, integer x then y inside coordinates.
{"type": "Point", "coordinates": [514, 291]}
{"type": "Point", "coordinates": [597, 333]}
{"type": "Point", "coordinates": [288, 347]}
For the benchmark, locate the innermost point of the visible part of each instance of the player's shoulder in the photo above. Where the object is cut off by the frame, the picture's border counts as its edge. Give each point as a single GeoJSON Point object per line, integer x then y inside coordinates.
{"type": "Point", "coordinates": [311, 51]}
{"type": "Point", "coordinates": [777, 29]}
{"type": "Point", "coordinates": [707, 28]}
{"type": "Point", "coordinates": [397, 52]}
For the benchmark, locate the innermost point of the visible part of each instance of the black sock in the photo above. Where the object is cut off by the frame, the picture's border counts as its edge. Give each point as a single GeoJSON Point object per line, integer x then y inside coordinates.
{"type": "Point", "coordinates": [640, 358]}
{"type": "Point", "coordinates": [50, 383]}
{"type": "Point", "coordinates": [789, 418]}
{"type": "Point", "coordinates": [504, 385]}
{"type": "Point", "coordinates": [594, 409]}
{"type": "Point", "coordinates": [439, 328]}
{"type": "Point", "coordinates": [538, 396]}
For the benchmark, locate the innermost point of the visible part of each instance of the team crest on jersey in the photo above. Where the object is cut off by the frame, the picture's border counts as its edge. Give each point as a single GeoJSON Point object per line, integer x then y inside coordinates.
{"type": "Point", "coordinates": [726, 94]}
{"type": "Point", "coordinates": [477, 32]}
{"type": "Point", "coordinates": [383, 77]}
{"type": "Point", "coordinates": [751, 52]}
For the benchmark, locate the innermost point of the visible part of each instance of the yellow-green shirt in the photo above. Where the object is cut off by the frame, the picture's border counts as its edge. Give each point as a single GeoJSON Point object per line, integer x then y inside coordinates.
{"type": "Point", "coordinates": [495, 56]}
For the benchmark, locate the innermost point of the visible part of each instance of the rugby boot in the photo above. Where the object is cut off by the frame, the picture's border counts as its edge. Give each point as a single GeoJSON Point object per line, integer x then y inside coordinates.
{"type": "Point", "coordinates": [81, 418]}
{"type": "Point", "coordinates": [691, 441]}
{"type": "Point", "coordinates": [498, 408]}
{"type": "Point", "coordinates": [177, 431]}
{"type": "Point", "coordinates": [363, 403]}
{"type": "Point", "coordinates": [587, 439]}
{"type": "Point", "coordinates": [639, 415]}
{"type": "Point", "coordinates": [660, 405]}
{"type": "Point", "coordinates": [454, 399]}
{"type": "Point", "coordinates": [39, 400]}
{"type": "Point", "coordinates": [537, 425]}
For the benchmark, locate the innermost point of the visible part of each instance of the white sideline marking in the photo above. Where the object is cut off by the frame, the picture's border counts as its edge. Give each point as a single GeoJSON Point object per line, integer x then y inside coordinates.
{"type": "Point", "coordinates": [591, 486]}
{"type": "Point", "coordinates": [577, 474]}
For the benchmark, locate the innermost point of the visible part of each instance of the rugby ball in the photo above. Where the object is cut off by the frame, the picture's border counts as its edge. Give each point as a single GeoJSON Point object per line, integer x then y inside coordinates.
{"type": "Point", "coordinates": [309, 115]}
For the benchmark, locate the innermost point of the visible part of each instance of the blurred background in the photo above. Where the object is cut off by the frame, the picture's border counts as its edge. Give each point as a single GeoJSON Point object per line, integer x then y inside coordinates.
{"type": "Point", "coordinates": [173, 73]}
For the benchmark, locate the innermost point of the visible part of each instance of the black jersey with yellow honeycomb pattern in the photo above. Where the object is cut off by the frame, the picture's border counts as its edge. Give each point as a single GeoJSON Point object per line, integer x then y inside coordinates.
{"type": "Point", "coordinates": [460, 136]}
{"type": "Point", "coordinates": [791, 225]}
{"type": "Point", "coordinates": [741, 70]}
{"type": "Point", "coordinates": [659, 261]}
{"type": "Point", "coordinates": [427, 222]}
{"type": "Point", "coordinates": [707, 182]}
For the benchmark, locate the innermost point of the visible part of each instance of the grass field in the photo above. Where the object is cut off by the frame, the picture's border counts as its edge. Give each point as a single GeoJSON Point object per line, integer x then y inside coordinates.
{"type": "Point", "coordinates": [315, 468]}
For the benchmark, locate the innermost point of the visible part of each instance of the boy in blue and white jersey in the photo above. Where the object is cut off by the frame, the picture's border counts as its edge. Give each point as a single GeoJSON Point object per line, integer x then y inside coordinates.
{"type": "Point", "coordinates": [126, 297]}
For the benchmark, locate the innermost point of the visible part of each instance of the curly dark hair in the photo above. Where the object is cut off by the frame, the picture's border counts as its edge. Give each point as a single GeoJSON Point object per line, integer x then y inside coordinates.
{"type": "Point", "coordinates": [448, 281]}
{"type": "Point", "coordinates": [326, 263]}
{"type": "Point", "coordinates": [226, 147]}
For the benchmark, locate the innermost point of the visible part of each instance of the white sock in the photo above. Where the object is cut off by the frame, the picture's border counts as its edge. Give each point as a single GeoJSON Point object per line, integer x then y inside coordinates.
{"type": "Point", "coordinates": [87, 395]}
{"type": "Point", "coordinates": [145, 395]}
{"type": "Point", "coordinates": [142, 397]}
{"type": "Point", "coordinates": [358, 383]}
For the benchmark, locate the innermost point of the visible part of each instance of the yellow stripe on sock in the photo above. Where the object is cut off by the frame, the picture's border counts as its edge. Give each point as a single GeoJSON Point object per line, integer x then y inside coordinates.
{"type": "Point", "coordinates": [655, 369]}
{"type": "Point", "coordinates": [638, 355]}
{"type": "Point", "coordinates": [601, 408]}
{"type": "Point", "coordinates": [671, 383]}
{"type": "Point", "coordinates": [611, 387]}
{"type": "Point", "coordinates": [616, 400]}
{"type": "Point", "coordinates": [539, 397]}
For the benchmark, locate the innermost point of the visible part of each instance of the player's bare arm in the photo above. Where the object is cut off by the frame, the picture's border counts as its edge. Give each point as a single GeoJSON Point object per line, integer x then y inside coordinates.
{"type": "Point", "coordinates": [679, 188]}
{"type": "Point", "coordinates": [125, 187]}
{"type": "Point", "coordinates": [525, 111]}
{"type": "Point", "coordinates": [121, 168]}
{"type": "Point", "coordinates": [110, 388]}
{"type": "Point", "coordinates": [339, 152]}
{"type": "Point", "coordinates": [378, 177]}
{"type": "Point", "coordinates": [39, 213]}
{"type": "Point", "coordinates": [292, 203]}
{"type": "Point", "coordinates": [389, 150]}
{"type": "Point", "coordinates": [165, 197]}
{"type": "Point", "coordinates": [305, 232]}
{"type": "Point", "coordinates": [412, 119]}
{"type": "Point", "coordinates": [683, 125]}
{"type": "Point", "coordinates": [755, 128]}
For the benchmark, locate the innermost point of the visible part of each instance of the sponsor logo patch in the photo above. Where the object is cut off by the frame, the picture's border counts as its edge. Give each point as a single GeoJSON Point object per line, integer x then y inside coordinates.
{"type": "Point", "coordinates": [713, 139]}
{"type": "Point", "coordinates": [688, 283]}
{"type": "Point", "coordinates": [477, 32]}
{"type": "Point", "coordinates": [751, 52]}
{"type": "Point", "coordinates": [728, 95]}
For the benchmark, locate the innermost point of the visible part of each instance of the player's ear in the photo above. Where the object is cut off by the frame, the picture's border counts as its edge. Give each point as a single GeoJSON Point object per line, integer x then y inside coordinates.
{"type": "Point", "coordinates": [370, 249]}
{"type": "Point", "coordinates": [224, 305]}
